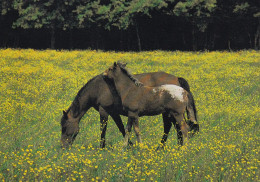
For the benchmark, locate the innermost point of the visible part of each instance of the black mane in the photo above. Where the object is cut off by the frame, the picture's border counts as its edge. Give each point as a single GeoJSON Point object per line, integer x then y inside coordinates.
{"type": "Point", "coordinates": [75, 106]}
{"type": "Point", "coordinates": [132, 78]}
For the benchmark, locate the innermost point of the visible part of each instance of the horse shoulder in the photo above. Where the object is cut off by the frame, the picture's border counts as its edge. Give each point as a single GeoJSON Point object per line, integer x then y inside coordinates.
{"type": "Point", "coordinates": [133, 99]}
{"type": "Point", "coordinates": [101, 93]}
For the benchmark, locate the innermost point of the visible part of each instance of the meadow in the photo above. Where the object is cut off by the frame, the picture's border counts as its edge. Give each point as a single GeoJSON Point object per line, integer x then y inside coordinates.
{"type": "Point", "coordinates": [35, 86]}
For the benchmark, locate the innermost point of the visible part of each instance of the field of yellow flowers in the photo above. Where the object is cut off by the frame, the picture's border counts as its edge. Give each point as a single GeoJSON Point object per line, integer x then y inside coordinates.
{"type": "Point", "coordinates": [35, 86]}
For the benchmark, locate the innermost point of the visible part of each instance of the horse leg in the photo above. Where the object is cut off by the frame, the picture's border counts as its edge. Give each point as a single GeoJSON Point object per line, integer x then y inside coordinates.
{"type": "Point", "coordinates": [177, 127]}
{"type": "Point", "coordinates": [167, 126]}
{"type": "Point", "coordinates": [128, 130]}
{"type": "Point", "coordinates": [120, 125]}
{"type": "Point", "coordinates": [182, 129]}
{"type": "Point", "coordinates": [103, 126]}
{"type": "Point", "coordinates": [179, 135]}
{"type": "Point", "coordinates": [137, 130]}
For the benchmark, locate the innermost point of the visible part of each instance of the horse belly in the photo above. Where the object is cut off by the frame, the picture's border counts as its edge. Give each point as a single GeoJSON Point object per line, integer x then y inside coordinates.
{"type": "Point", "coordinates": [152, 111]}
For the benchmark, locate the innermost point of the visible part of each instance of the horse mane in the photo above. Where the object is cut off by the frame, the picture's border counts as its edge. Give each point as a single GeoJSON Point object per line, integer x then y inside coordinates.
{"type": "Point", "coordinates": [127, 73]}
{"type": "Point", "coordinates": [75, 106]}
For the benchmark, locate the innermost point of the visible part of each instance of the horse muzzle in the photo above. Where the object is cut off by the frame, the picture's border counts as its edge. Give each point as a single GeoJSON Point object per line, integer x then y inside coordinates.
{"type": "Point", "coordinates": [105, 74]}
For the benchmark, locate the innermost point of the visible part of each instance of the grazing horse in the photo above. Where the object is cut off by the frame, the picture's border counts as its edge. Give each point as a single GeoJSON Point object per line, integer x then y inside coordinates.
{"type": "Point", "coordinates": [139, 100]}
{"type": "Point", "coordinates": [98, 93]}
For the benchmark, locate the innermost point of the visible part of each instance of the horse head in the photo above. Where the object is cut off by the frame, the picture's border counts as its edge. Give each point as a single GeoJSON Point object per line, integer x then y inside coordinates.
{"type": "Point", "coordinates": [119, 69]}
{"type": "Point", "coordinates": [112, 71]}
{"type": "Point", "coordinates": [69, 129]}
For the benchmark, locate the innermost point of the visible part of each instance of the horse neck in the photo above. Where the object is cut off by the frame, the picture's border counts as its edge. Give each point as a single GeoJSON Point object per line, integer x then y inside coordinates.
{"type": "Point", "coordinates": [123, 84]}
{"type": "Point", "coordinates": [81, 104]}
{"type": "Point", "coordinates": [77, 113]}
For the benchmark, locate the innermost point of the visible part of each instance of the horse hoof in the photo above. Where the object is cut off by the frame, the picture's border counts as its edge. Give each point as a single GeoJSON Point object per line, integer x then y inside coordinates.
{"type": "Point", "coordinates": [130, 143]}
{"type": "Point", "coordinates": [102, 145]}
{"type": "Point", "coordinates": [160, 147]}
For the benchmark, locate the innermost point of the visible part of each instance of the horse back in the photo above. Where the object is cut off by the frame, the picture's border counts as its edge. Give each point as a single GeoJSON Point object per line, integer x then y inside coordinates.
{"type": "Point", "coordinates": [154, 79]}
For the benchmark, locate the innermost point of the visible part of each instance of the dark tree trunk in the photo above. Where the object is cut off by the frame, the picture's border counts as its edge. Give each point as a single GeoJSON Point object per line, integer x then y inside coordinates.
{"type": "Point", "coordinates": [138, 37]}
{"type": "Point", "coordinates": [52, 38]}
{"type": "Point", "coordinates": [247, 30]}
{"type": "Point", "coordinates": [212, 44]}
{"type": "Point", "coordinates": [97, 38]}
{"type": "Point", "coordinates": [257, 36]}
{"type": "Point", "coordinates": [121, 40]}
{"type": "Point", "coordinates": [206, 41]}
{"type": "Point", "coordinates": [250, 40]}
{"type": "Point", "coordinates": [229, 47]}
{"type": "Point", "coordinates": [184, 41]}
{"type": "Point", "coordinates": [194, 42]}
{"type": "Point", "coordinates": [71, 39]}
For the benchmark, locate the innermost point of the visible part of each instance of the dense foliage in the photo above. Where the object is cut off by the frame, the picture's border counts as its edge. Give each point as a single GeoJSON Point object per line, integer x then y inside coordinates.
{"type": "Point", "coordinates": [37, 85]}
{"type": "Point", "coordinates": [131, 24]}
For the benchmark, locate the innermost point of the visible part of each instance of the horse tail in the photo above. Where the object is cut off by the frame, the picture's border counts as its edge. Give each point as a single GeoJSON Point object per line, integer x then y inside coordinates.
{"type": "Point", "coordinates": [192, 105]}
{"type": "Point", "coordinates": [191, 108]}
{"type": "Point", "coordinates": [184, 84]}
{"type": "Point", "coordinates": [192, 113]}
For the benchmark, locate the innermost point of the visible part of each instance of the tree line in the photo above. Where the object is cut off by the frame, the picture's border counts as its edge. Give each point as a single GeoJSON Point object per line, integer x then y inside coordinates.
{"type": "Point", "coordinates": [131, 24]}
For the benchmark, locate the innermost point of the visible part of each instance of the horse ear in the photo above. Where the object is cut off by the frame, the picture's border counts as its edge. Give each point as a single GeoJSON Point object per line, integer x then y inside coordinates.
{"type": "Point", "coordinates": [124, 65]}
{"type": "Point", "coordinates": [65, 114]}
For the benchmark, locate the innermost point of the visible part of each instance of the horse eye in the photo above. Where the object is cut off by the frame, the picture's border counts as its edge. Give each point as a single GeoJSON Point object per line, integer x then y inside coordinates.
{"type": "Point", "coordinates": [63, 129]}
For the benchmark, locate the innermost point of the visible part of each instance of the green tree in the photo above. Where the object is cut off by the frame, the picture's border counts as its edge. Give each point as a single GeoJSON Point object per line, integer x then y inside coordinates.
{"type": "Point", "coordinates": [86, 13]}
{"type": "Point", "coordinates": [197, 12]}
{"type": "Point", "coordinates": [7, 16]}
{"type": "Point", "coordinates": [49, 14]}
{"type": "Point", "coordinates": [125, 13]}
{"type": "Point", "coordinates": [237, 18]}
{"type": "Point", "coordinates": [133, 10]}
{"type": "Point", "coordinates": [5, 6]}
{"type": "Point", "coordinates": [249, 14]}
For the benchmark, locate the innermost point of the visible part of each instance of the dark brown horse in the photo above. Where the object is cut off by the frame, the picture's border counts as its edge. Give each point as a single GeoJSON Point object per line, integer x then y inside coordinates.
{"type": "Point", "coordinates": [98, 94]}
{"type": "Point", "coordinates": [139, 100]}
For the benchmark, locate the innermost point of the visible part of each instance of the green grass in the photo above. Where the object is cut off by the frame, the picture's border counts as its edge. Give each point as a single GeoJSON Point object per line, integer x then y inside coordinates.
{"type": "Point", "coordinates": [37, 85]}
